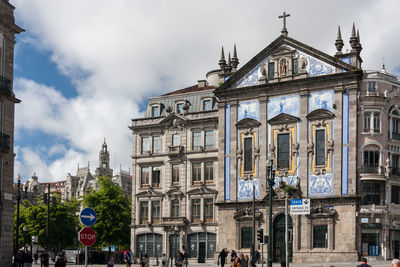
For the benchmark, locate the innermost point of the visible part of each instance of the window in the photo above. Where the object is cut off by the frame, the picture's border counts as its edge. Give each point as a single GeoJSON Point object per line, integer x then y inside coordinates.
{"type": "Point", "coordinates": [271, 70]}
{"type": "Point", "coordinates": [155, 177]}
{"type": "Point", "coordinates": [245, 237]}
{"type": "Point", "coordinates": [372, 193]}
{"type": "Point", "coordinates": [175, 174]}
{"type": "Point", "coordinates": [396, 129]}
{"type": "Point", "coordinates": [367, 121]}
{"type": "Point", "coordinates": [145, 145]}
{"type": "Point", "coordinates": [395, 162]}
{"type": "Point", "coordinates": [176, 140]}
{"type": "Point", "coordinates": [295, 66]}
{"type": "Point", "coordinates": [155, 111]}
{"type": "Point", "coordinates": [195, 210]}
{"type": "Point", "coordinates": [145, 175]}
{"type": "Point", "coordinates": [196, 140]}
{"type": "Point", "coordinates": [208, 210]}
{"type": "Point", "coordinates": [377, 122]}
{"type": "Point", "coordinates": [175, 208]}
{"type": "Point", "coordinates": [320, 147]}
{"type": "Point", "coordinates": [196, 173]}
{"type": "Point", "coordinates": [283, 151]}
{"type": "Point", "coordinates": [371, 86]}
{"type": "Point", "coordinates": [156, 144]}
{"type": "Point", "coordinates": [209, 142]}
{"type": "Point", "coordinates": [209, 173]}
{"type": "Point", "coordinates": [371, 159]}
{"type": "Point", "coordinates": [144, 212]}
{"type": "Point", "coordinates": [248, 154]}
{"type": "Point", "coordinates": [395, 194]}
{"type": "Point", "coordinates": [320, 236]}
{"type": "Point", "coordinates": [179, 108]}
{"type": "Point", "coordinates": [155, 211]}
{"type": "Point", "coordinates": [207, 105]}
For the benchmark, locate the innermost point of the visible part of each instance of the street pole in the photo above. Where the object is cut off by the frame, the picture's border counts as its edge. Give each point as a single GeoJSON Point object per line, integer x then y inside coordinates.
{"type": "Point", "coordinates": [270, 179]}
{"type": "Point", "coordinates": [17, 230]}
{"type": "Point", "coordinates": [48, 225]}
{"type": "Point", "coordinates": [253, 246]}
{"type": "Point", "coordinates": [86, 256]}
{"type": "Point", "coordinates": [286, 233]}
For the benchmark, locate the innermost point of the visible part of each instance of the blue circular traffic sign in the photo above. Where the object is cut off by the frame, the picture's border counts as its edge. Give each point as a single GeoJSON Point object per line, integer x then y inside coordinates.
{"type": "Point", "coordinates": [88, 216]}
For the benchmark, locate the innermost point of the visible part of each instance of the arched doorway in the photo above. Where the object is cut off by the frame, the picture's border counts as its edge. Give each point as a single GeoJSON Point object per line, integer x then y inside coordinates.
{"type": "Point", "coordinates": [150, 244]}
{"type": "Point", "coordinates": [278, 242]}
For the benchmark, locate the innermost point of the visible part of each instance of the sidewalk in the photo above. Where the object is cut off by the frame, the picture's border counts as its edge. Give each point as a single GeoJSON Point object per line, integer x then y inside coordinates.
{"type": "Point", "coordinates": [322, 264]}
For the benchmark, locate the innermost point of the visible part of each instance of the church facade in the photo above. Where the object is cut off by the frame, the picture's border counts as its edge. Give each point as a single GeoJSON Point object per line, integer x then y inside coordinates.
{"type": "Point", "coordinates": [328, 130]}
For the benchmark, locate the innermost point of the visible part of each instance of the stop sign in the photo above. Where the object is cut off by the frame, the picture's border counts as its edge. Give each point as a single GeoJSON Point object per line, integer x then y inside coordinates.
{"type": "Point", "coordinates": [87, 236]}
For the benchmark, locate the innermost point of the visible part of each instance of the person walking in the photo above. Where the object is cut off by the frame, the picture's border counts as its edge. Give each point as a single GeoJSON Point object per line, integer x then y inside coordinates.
{"type": "Point", "coordinates": [233, 255]}
{"type": "Point", "coordinates": [222, 257]}
{"type": "Point", "coordinates": [364, 263]}
{"type": "Point", "coordinates": [110, 261]}
{"type": "Point", "coordinates": [36, 257]}
{"type": "Point", "coordinates": [128, 259]}
{"type": "Point", "coordinates": [146, 261]}
{"type": "Point", "coordinates": [236, 262]}
{"type": "Point", "coordinates": [164, 260]}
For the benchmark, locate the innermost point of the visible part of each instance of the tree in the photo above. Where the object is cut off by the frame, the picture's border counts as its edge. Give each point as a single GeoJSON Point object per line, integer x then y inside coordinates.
{"type": "Point", "coordinates": [113, 210]}
{"type": "Point", "coordinates": [63, 223]}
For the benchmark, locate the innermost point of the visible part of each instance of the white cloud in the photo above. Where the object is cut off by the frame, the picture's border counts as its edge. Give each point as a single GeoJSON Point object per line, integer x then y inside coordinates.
{"type": "Point", "coordinates": [117, 53]}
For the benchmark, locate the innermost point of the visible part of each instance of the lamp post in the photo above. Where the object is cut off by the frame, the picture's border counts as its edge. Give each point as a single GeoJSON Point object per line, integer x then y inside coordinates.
{"type": "Point", "coordinates": [17, 228]}
{"type": "Point", "coordinates": [271, 182]}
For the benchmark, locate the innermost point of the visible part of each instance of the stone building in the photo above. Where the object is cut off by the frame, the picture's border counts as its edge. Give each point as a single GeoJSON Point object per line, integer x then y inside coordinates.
{"type": "Point", "coordinates": [8, 29]}
{"type": "Point", "coordinates": [329, 131]}
{"type": "Point", "coordinates": [76, 186]}
{"type": "Point", "coordinates": [175, 163]}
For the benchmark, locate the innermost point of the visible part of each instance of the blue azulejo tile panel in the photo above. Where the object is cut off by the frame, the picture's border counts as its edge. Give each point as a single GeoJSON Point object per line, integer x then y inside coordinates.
{"type": "Point", "coordinates": [321, 185]}
{"type": "Point", "coordinates": [284, 104]}
{"type": "Point", "coordinates": [346, 60]}
{"type": "Point", "coordinates": [251, 78]}
{"type": "Point", "coordinates": [322, 99]}
{"type": "Point", "coordinates": [245, 189]}
{"type": "Point", "coordinates": [290, 180]}
{"type": "Point", "coordinates": [227, 129]}
{"type": "Point", "coordinates": [345, 170]}
{"type": "Point", "coordinates": [345, 142]}
{"type": "Point", "coordinates": [249, 109]}
{"type": "Point", "coordinates": [316, 67]}
{"type": "Point", "coordinates": [227, 178]}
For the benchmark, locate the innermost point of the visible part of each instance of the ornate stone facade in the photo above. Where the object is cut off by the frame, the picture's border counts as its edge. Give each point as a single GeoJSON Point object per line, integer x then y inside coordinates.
{"type": "Point", "coordinates": [8, 29]}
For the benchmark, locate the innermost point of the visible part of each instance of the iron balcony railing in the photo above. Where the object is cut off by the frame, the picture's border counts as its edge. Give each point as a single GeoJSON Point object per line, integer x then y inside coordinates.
{"type": "Point", "coordinates": [370, 169]}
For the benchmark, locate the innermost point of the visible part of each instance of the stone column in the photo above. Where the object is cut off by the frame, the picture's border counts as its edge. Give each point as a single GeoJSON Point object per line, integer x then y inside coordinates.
{"type": "Point", "coordinates": [202, 210]}
{"type": "Point", "coordinates": [221, 153]}
{"type": "Point", "coordinates": [149, 219]}
{"type": "Point", "coordinates": [353, 139]}
{"type": "Point", "coordinates": [263, 146]}
{"type": "Point", "coordinates": [233, 154]}
{"type": "Point", "coordinates": [337, 150]}
{"type": "Point", "coordinates": [309, 234]}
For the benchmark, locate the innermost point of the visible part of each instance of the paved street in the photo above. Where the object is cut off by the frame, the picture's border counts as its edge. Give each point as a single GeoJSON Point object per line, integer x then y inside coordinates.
{"type": "Point", "coordinates": [336, 264]}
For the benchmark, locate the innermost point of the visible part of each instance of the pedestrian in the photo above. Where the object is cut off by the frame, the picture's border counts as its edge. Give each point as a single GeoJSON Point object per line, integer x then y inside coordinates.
{"type": "Point", "coordinates": [364, 263]}
{"type": "Point", "coordinates": [252, 263]}
{"type": "Point", "coordinates": [36, 257]}
{"type": "Point", "coordinates": [236, 262]}
{"type": "Point", "coordinates": [256, 256]}
{"type": "Point", "coordinates": [222, 256]}
{"type": "Point", "coordinates": [244, 260]}
{"type": "Point", "coordinates": [42, 260]}
{"type": "Point", "coordinates": [283, 263]}
{"type": "Point", "coordinates": [146, 261]}
{"type": "Point", "coordinates": [185, 258]}
{"type": "Point", "coordinates": [233, 255]}
{"type": "Point", "coordinates": [164, 260]}
{"type": "Point", "coordinates": [128, 259]}
{"type": "Point", "coordinates": [395, 262]}
{"type": "Point", "coordinates": [110, 261]}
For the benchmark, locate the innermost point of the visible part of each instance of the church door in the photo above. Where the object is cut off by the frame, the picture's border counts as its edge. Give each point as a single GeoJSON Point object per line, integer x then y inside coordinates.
{"type": "Point", "coordinates": [278, 242]}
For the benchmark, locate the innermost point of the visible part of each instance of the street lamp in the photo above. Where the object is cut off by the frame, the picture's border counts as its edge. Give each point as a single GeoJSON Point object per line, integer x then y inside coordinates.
{"type": "Point", "coordinates": [271, 182]}
{"type": "Point", "coordinates": [17, 230]}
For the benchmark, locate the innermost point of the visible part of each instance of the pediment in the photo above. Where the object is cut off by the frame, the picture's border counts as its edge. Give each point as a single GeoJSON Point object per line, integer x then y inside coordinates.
{"type": "Point", "coordinates": [248, 123]}
{"type": "Point", "coordinates": [311, 62]}
{"type": "Point", "coordinates": [202, 190]}
{"type": "Point", "coordinates": [283, 118]}
{"type": "Point", "coordinates": [321, 212]}
{"type": "Point", "coordinates": [320, 114]}
{"type": "Point", "coordinates": [149, 193]}
{"type": "Point", "coordinates": [173, 119]}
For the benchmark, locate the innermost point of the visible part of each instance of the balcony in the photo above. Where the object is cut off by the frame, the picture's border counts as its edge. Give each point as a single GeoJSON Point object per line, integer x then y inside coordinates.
{"type": "Point", "coordinates": [172, 221]}
{"type": "Point", "coordinates": [395, 171]}
{"type": "Point", "coordinates": [370, 169]}
{"type": "Point", "coordinates": [5, 86]}
{"type": "Point", "coordinates": [176, 150]}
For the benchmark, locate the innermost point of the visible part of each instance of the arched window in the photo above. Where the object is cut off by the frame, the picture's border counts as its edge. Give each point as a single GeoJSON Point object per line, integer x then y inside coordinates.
{"type": "Point", "coordinates": [150, 244]}
{"type": "Point", "coordinates": [394, 123]}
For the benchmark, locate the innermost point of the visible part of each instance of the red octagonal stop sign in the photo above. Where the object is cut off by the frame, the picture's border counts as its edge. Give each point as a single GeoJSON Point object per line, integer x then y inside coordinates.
{"type": "Point", "coordinates": [87, 236]}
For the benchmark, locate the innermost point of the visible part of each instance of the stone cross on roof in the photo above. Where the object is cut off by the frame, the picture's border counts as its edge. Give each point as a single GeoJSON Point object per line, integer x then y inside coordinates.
{"type": "Point", "coordinates": [284, 30]}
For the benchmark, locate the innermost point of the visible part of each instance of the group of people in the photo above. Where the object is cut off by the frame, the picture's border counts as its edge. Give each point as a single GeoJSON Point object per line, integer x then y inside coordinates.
{"type": "Point", "coordinates": [238, 260]}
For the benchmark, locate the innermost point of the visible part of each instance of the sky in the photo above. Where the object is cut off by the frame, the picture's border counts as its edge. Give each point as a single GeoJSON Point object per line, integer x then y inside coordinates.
{"type": "Point", "coordinates": [84, 69]}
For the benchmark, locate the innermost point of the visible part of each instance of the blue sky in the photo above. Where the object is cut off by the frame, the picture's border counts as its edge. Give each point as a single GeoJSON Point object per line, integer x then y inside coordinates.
{"type": "Point", "coordinates": [83, 69]}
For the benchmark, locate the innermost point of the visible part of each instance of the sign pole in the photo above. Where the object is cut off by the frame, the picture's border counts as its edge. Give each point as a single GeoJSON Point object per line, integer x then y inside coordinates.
{"type": "Point", "coordinates": [286, 232]}
{"type": "Point", "coordinates": [86, 256]}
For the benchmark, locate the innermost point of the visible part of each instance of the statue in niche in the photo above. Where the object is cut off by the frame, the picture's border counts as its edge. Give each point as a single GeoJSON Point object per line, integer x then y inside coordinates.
{"type": "Point", "coordinates": [283, 67]}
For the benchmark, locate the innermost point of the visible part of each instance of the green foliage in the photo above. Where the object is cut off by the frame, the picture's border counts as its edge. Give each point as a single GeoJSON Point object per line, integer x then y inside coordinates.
{"type": "Point", "coordinates": [289, 189]}
{"type": "Point", "coordinates": [113, 210]}
{"type": "Point", "coordinates": [63, 223]}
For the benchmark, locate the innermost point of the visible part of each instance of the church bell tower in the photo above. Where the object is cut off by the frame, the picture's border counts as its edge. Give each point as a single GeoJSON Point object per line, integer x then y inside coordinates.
{"type": "Point", "coordinates": [104, 162]}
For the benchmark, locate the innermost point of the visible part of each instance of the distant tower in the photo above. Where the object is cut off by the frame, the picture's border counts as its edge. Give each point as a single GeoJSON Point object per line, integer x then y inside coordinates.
{"type": "Point", "coordinates": [104, 162]}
